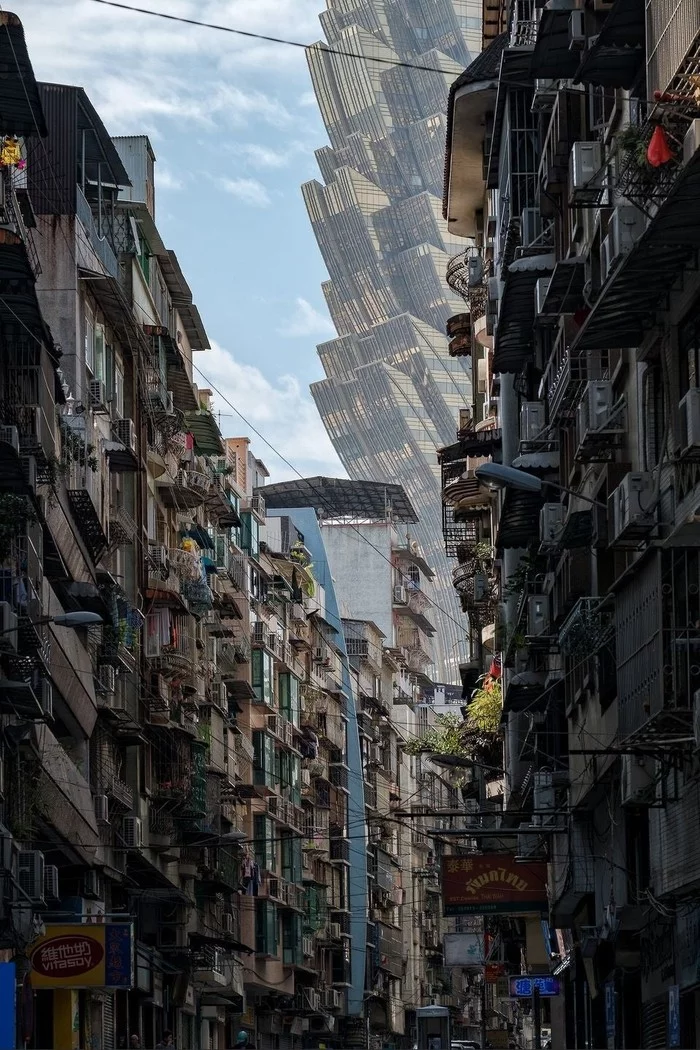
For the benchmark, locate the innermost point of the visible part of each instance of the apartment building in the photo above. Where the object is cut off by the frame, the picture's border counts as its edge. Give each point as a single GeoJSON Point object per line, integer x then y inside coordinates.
{"type": "Point", "coordinates": [586, 294]}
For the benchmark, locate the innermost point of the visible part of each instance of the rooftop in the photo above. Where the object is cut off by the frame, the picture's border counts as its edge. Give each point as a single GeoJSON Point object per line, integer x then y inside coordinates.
{"type": "Point", "coordinates": [342, 498]}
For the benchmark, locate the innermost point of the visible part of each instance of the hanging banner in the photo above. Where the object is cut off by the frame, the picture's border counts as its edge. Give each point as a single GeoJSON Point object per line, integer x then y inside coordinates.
{"type": "Point", "coordinates": [82, 956]}
{"type": "Point", "coordinates": [492, 882]}
{"type": "Point", "coordinates": [463, 949]}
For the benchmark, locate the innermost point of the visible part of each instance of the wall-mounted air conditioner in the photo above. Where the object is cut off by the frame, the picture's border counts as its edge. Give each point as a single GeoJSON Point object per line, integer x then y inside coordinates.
{"type": "Point", "coordinates": [132, 832]}
{"type": "Point", "coordinates": [543, 797]}
{"type": "Point", "coordinates": [482, 587]}
{"type": "Point", "coordinates": [475, 271]}
{"type": "Point", "coordinates": [538, 615]}
{"type": "Point", "coordinates": [551, 525]}
{"type": "Point", "coordinates": [577, 30]}
{"type": "Point", "coordinates": [532, 420]}
{"type": "Point", "coordinates": [51, 890]}
{"type": "Point", "coordinates": [530, 226]}
{"type": "Point", "coordinates": [638, 780]}
{"type": "Point", "coordinates": [626, 226]}
{"type": "Point", "coordinates": [544, 95]}
{"type": "Point", "coordinates": [399, 594]}
{"type": "Point", "coordinates": [541, 293]}
{"type": "Point", "coordinates": [8, 626]}
{"type": "Point", "coordinates": [46, 699]}
{"type": "Point", "coordinates": [594, 409]}
{"type": "Point", "coordinates": [632, 509]}
{"type": "Point", "coordinates": [101, 803]}
{"type": "Point", "coordinates": [125, 431]}
{"type": "Point", "coordinates": [30, 874]}
{"type": "Point", "coordinates": [585, 170]}
{"type": "Point", "coordinates": [528, 843]}
{"type": "Point", "coordinates": [97, 396]}
{"type": "Point", "coordinates": [690, 421]}
{"type": "Point", "coordinates": [107, 678]}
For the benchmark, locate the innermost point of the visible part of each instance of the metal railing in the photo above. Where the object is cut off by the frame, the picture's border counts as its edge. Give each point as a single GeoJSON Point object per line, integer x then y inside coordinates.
{"type": "Point", "coordinates": [102, 248]}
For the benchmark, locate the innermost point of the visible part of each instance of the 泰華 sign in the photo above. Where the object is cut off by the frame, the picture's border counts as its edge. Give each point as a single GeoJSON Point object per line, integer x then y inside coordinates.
{"type": "Point", "coordinates": [485, 883]}
{"type": "Point", "coordinates": [82, 956]}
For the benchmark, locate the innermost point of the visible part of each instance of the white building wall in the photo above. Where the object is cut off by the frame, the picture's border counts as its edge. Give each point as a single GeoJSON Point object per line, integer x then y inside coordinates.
{"type": "Point", "coordinates": [363, 575]}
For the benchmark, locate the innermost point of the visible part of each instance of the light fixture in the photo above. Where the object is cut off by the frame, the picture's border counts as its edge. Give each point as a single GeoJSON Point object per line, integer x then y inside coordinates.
{"type": "Point", "coordinates": [501, 476]}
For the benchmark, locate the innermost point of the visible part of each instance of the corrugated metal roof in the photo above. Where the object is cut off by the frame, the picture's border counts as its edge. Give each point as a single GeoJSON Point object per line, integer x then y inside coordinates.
{"type": "Point", "coordinates": [21, 112]}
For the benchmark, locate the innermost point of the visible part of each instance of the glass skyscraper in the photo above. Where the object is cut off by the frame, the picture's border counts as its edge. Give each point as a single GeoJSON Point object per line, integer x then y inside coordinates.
{"type": "Point", "coordinates": [392, 393]}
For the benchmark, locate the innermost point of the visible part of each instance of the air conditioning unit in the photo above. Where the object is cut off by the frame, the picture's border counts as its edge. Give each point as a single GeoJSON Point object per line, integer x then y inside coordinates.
{"type": "Point", "coordinates": [259, 633]}
{"type": "Point", "coordinates": [544, 95]}
{"type": "Point", "coordinates": [229, 925]}
{"type": "Point", "coordinates": [633, 510]}
{"type": "Point", "coordinates": [101, 803]}
{"type": "Point", "coordinates": [93, 885]}
{"type": "Point", "coordinates": [530, 226]}
{"type": "Point", "coordinates": [97, 396]}
{"type": "Point", "coordinates": [334, 931]}
{"type": "Point", "coordinates": [585, 165]}
{"type": "Point", "coordinates": [125, 432]}
{"type": "Point", "coordinates": [29, 468]}
{"type": "Point", "coordinates": [551, 525]}
{"type": "Point", "coordinates": [528, 844]}
{"type": "Point", "coordinates": [595, 409]}
{"type": "Point", "coordinates": [158, 556]}
{"type": "Point", "coordinates": [10, 436]}
{"type": "Point", "coordinates": [8, 626]}
{"type": "Point", "coordinates": [46, 699]}
{"type": "Point", "coordinates": [482, 587]}
{"type": "Point", "coordinates": [305, 778]}
{"type": "Point", "coordinates": [541, 288]}
{"type": "Point", "coordinates": [336, 999]}
{"type": "Point", "coordinates": [532, 420]}
{"type": "Point", "coordinates": [638, 780]}
{"type": "Point", "coordinates": [107, 678]}
{"type": "Point", "coordinates": [626, 226]}
{"type": "Point", "coordinates": [30, 873]}
{"type": "Point", "coordinates": [399, 594]}
{"type": "Point", "coordinates": [51, 891]}
{"type": "Point", "coordinates": [132, 832]}
{"type": "Point", "coordinates": [308, 946]}
{"type": "Point", "coordinates": [538, 615]}
{"type": "Point", "coordinates": [475, 271]}
{"type": "Point", "coordinates": [577, 30]}
{"type": "Point", "coordinates": [690, 421]}
{"type": "Point", "coordinates": [544, 802]}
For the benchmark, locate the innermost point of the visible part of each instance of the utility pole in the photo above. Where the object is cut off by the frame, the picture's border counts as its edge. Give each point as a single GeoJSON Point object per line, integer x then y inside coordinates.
{"type": "Point", "coordinates": [537, 1015]}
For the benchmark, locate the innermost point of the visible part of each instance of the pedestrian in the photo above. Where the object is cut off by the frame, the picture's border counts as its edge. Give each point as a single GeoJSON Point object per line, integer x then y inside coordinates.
{"type": "Point", "coordinates": [166, 1041]}
{"type": "Point", "coordinates": [135, 1042]}
{"type": "Point", "coordinates": [243, 1042]}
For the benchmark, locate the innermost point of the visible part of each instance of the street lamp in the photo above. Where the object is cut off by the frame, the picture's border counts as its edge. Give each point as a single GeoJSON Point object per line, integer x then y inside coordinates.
{"type": "Point", "coordinates": [499, 476]}
{"type": "Point", "coordinates": [69, 619]}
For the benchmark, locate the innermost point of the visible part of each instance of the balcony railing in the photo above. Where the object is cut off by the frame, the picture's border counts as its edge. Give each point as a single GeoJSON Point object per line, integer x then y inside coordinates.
{"type": "Point", "coordinates": [101, 246]}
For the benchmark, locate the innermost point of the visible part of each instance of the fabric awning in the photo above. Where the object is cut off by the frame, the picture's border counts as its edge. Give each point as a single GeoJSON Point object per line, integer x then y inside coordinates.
{"type": "Point", "coordinates": [21, 112]}
{"type": "Point", "coordinates": [552, 58]}
{"type": "Point", "coordinates": [629, 299]}
{"type": "Point", "coordinates": [616, 54]}
{"type": "Point", "coordinates": [565, 289]}
{"type": "Point", "coordinates": [514, 337]}
{"type": "Point", "coordinates": [481, 443]}
{"type": "Point", "coordinates": [19, 305]}
{"type": "Point", "coordinates": [202, 425]}
{"type": "Point", "coordinates": [519, 520]}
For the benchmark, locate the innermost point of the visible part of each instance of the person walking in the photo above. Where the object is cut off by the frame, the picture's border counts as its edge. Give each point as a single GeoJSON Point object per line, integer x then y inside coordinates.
{"type": "Point", "coordinates": [166, 1042]}
{"type": "Point", "coordinates": [243, 1041]}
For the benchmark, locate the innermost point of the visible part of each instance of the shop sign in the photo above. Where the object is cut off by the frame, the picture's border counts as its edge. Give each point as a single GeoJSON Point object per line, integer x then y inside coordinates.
{"type": "Point", "coordinates": [8, 1001]}
{"type": "Point", "coordinates": [610, 1006]}
{"type": "Point", "coordinates": [524, 987]}
{"type": "Point", "coordinates": [492, 971]}
{"type": "Point", "coordinates": [674, 1016]}
{"type": "Point", "coordinates": [463, 949]}
{"type": "Point", "coordinates": [83, 956]}
{"type": "Point", "coordinates": [492, 882]}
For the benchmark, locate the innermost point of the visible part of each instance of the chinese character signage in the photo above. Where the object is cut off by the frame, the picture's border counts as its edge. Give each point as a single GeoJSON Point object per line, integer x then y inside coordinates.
{"type": "Point", "coordinates": [524, 987]}
{"type": "Point", "coordinates": [463, 949]}
{"type": "Point", "coordinates": [83, 957]}
{"type": "Point", "coordinates": [492, 882]}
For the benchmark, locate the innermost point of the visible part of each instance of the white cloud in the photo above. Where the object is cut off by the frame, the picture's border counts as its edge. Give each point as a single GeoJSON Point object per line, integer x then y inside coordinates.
{"type": "Point", "coordinates": [306, 320]}
{"type": "Point", "coordinates": [261, 156]}
{"type": "Point", "coordinates": [284, 415]}
{"type": "Point", "coordinates": [249, 191]}
{"type": "Point", "coordinates": [166, 180]}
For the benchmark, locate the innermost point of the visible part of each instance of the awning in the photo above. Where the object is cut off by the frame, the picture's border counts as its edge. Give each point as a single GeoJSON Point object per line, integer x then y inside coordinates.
{"type": "Point", "coordinates": [202, 425]}
{"type": "Point", "coordinates": [552, 58]}
{"type": "Point", "coordinates": [66, 799]}
{"type": "Point", "coordinates": [120, 458]}
{"type": "Point", "coordinates": [628, 301]}
{"type": "Point", "coordinates": [21, 111]}
{"type": "Point", "coordinates": [514, 336]}
{"type": "Point", "coordinates": [19, 306]}
{"type": "Point", "coordinates": [616, 54]}
{"type": "Point", "coordinates": [520, 519]}
{"type": "Point", "coordinates": [200, 535]}
{"type": "Point", "coordinates": [578, 530]}
{"type": "Point", "coordinates": [481, 443]}
{"type": "Point", "coordinates": [72, 674]}
{"type": "Point", "coordinates": [565, 289]}
{"type": "Point", "coordinates": [524, 691]}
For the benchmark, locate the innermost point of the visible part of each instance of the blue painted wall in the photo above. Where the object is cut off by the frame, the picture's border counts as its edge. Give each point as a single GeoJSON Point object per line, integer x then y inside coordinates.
{"type": "Point", "coordinates": [307, 523]}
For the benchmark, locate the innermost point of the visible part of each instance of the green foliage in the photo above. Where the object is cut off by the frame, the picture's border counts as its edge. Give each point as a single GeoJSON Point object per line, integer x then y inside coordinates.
{"type": "Point", "coordinates": [444, 738]}
{"type": "Point", "coordinates": [15, 514]}
{"type": "Point", "coordinates": [486, 705]}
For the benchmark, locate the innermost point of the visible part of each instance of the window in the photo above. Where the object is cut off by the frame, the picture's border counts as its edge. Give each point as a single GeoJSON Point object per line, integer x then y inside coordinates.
{"type": "Point", "coordinates": [263, 759]}
{"type": "Point", "coordinates": [264, 843]}
{"type": "Point", "coordinates": [263, 677]}
{"type": "Point", "coordinates": [291, 940]}
{"type": "Point", "coordinates": [290, 705]}
{"type": "Point", "coordinates": [119, 390]}
{"type": "Point", "coordinates": [291, 858]}
{"type": "Point", "coordinates": [265, 928]}
{"type": "Point", "coordinates": [99, 367]}
{"type": "Point", "coordinates": [250, 534]}
{"type": "Point", "coordinates": [89, 339]}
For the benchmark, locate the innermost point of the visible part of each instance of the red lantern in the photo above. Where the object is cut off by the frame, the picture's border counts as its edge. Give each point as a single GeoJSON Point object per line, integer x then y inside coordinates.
{"type": "Point", "coordinates": [658, 150]}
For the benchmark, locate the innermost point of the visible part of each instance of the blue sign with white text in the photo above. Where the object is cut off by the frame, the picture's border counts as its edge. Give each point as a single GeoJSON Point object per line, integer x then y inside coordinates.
{"type": "Point", "coordinates": [674, 1016]}
{"type": "Point", "coordinates": [524, 987]}
{"type": "Point", "coordinates": [8, 997]}
{"type": "Point", "coordinates": [610, 1024]}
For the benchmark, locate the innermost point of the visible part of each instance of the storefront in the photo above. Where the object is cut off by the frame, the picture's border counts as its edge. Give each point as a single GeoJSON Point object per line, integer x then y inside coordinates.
{"type": "Point", "coordinates": [658, 979]}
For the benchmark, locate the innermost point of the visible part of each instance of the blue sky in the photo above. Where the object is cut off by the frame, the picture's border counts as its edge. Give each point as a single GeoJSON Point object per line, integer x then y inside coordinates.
{"type": "Point", "coordinates": [234, 124]}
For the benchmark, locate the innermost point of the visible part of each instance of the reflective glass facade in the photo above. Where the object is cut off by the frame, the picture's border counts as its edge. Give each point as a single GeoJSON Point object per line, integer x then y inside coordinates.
{"type": "Point", "coordinates": [391, 395]}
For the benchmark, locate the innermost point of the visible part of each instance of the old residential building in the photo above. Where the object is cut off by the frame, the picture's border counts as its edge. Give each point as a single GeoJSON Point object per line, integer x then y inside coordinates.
{"type": "Point", "coordinates": [582, 302]}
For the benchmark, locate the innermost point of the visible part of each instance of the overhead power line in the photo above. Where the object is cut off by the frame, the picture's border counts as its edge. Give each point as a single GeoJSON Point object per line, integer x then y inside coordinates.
{"type": "Point", "coordinates": [276, 39]}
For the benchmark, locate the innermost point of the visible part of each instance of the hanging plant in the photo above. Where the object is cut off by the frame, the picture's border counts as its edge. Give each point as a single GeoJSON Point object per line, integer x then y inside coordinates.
{"type": "Point", "coordinates": [15, 514]}
{"type": "Point", "coordinates": [444, 738]}
{"type": "Point", "coordinates": [486, 705]}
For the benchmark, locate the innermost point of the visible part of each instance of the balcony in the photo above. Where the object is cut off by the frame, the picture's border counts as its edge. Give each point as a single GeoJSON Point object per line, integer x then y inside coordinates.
{"type": "Point", "coordinates": [339, 851]}
{"type": "Point", "coordinates": [187, 490]}
{"type": "Point", "coordinates": [565, 377]}
{"type": "Point", "coordinates": [459, 333]}
{"type": "Point", "coordinates": [564, 129]}
{"type": "Point", "coordinates": [99, 243]}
